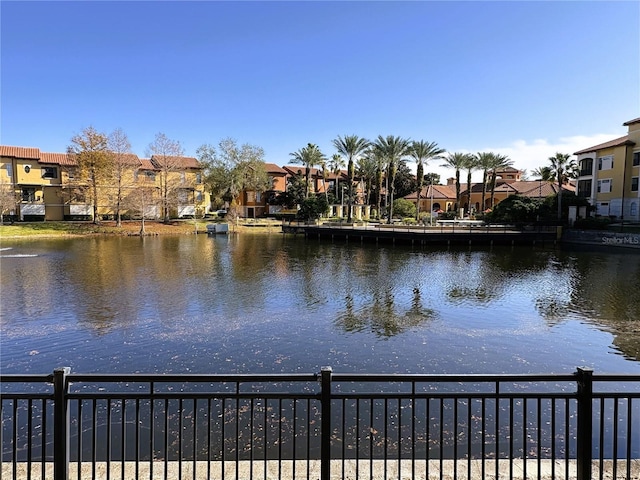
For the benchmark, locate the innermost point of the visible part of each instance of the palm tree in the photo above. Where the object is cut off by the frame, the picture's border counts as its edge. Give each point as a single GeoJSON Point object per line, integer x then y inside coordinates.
{"type": "Point", "coordinates": [485, 161]}
{"type": "Point", "coordinates": [308, 156]}
{"type": "Point", "coordinates": [456, 161]}
{"type": "Point", "coordinates": [499, 161]}
{"type": "Point", "coordinates": [336, 164]}
{"type": "Point", "coordinates": [422, 152]}
{"type": "Point", "coordinates": [543, 174]}
{"type": "Point", "coordinates": [323, 168]}
{"type": "Point", "coordinates": [366, 169]}
{"type": "Point", "coordinates": [471, 164]}
{"type": "Point", "coordinates": [351, 147]}
{"type": "Point", "coordinates": [392, 149]}
{"type": "Point", "coordinates": [562, 168]}
{"type": "Point", "coordinates": [379, 160]}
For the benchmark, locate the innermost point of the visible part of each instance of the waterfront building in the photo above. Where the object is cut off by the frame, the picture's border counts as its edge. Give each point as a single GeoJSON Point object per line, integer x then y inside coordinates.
{"type": "Point", "coordinates": [508, 182]}
{"type": "Point", "coordinates": [609, 174]}
{"type": "Point", "coordinates": [38, 186]}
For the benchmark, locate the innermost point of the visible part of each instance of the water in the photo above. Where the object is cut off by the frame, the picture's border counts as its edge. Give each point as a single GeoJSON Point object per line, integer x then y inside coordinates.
{"type": "Point", "coordinates": [270, 303]}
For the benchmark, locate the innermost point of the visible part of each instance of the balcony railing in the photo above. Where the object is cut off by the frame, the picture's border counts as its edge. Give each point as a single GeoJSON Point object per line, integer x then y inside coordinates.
{"type": "Point", "coordinates": [320, 426]}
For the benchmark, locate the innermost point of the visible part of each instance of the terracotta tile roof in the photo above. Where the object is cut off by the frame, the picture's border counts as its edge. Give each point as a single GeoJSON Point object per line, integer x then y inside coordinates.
{"type": "Point", "coordinates": [57, 159]}
{"type": "Point", "coordinates": [439, 192]}
{"type": "Point", "coordinates": [611, 143]}
{"type": "Point", "coordinates": [315, 172]}
{"type": "Point", "coordinates": [131, 159]}
{"type": "Point", "coordinates": [179, 162]}
{"type": "Point", "coordinates": [529, 188]}
{"type": "Point", "coordinates": [273, 168]}
{"type": "Point", "coordinates": [31, 153]}
{"type": "Point", "coordinates": [146, 164]}
{"type": "Point", "coordinates": [631, 122]}
{"type": "Point", "coordinates": [534, 188]}
{"type": "Point", "coordinates": [294, 169]}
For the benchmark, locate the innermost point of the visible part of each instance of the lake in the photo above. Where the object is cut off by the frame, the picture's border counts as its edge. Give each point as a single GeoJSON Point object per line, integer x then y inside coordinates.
{"type": "Point", "coordinates": [275, 303]}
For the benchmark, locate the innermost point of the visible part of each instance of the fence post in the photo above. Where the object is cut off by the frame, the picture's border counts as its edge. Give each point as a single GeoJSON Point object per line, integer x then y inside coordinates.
{"type": "Point", "coordinates": [60, 424]}
{"type": "Point", "coordinates": [325, 440]}
{"type": "Point", "coordinates": [585, 422]}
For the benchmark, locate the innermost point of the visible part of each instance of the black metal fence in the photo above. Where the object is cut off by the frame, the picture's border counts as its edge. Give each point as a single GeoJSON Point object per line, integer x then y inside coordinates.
{"type": "Point", "coordinates": [320, 426]}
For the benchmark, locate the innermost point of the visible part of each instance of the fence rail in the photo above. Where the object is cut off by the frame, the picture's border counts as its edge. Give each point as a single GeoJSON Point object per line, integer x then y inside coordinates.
{"type": "Point", "coordinates": [320, 426]}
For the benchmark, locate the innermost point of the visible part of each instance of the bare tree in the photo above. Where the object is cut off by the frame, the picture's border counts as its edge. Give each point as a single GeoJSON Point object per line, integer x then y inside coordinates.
{"type": "Point", "coordinates": [142, 199]}
{"type": "Point", "coordinates": [166, 155]}
{"type": "Point", "coordinates": [88, 150]}
{"type": "Point", "coordinates": [123, 164]}
{"type": "Point", "coordinates": [8, 201]}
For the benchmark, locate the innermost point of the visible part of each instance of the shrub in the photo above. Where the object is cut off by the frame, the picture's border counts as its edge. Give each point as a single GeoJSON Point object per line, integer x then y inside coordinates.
{"type": "Point", "coordinates": [424, 218]}
{"type": "Point", "coordinates": [515, 209]}
{"type": "Point", "coordinates": [313, 208]}
{"type": "Point", "coordinates": [403, 208]}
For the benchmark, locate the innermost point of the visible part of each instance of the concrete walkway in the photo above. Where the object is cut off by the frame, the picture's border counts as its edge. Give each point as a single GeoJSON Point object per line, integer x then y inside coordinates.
{"type": "Point", "coordinates": [364, 469]}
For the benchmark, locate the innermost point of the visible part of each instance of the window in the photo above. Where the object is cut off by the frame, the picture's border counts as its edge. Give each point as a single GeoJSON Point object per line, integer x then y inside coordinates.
{"type": "Point", "coordinates": [198, 178]}
{"type": "Point", "coordinates": [636, 159]}
{"type": "Point", "coordinates": [183, 177]}
{"type": "Point", "coordinates": [634, 184]}
{"type": "Point", "coordinates": [198, 196]}
{"type": "Point", "coordinates": [584, 188]}
{"type": "Point", "coordinates": [9, 170]}
{"type": "Point", "coordinates": [28, 194]}
{"type": "Point", "coordinates": [135, 175]}
{"type": "Point", "coordinates": [258, 197]}
{"type": "Point", "coordinates": [586, 166]}
{"type": "Point", "coordinates": [604, 186]}
{"type": "Point", "coordinates": [150, 175]}
{"type": "Point", "coordinates": [605, 163]}
{"type": "Point", "coordinates": [182, 196]}
{"type": "Point", "coordinates": [49, 172]}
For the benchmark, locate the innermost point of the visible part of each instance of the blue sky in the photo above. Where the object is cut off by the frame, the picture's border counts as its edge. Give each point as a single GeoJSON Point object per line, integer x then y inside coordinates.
{"type": "Point", "coordinates": [522, 78]}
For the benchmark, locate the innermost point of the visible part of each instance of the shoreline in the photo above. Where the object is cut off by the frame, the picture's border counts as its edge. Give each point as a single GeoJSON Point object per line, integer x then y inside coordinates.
{"type": "Point", "coordinates": [129, 228]}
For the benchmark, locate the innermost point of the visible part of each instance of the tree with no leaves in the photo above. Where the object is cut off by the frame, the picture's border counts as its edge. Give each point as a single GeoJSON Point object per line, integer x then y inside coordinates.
{"type": "Point", "coordinates": [89, 150]}
{"type": "Point", "coordinates": [166, 155]}
{"type": "Point", "coordinates": [123, 163]}
{"type": "Point", "coordinates": [8, 201]}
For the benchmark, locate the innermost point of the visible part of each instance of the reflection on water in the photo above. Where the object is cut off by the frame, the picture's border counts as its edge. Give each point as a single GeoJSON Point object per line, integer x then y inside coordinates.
{"type": "Point", "coordinates": [263, 303]}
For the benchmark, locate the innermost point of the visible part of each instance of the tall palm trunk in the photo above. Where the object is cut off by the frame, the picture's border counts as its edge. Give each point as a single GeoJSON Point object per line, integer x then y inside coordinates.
{"type": "Point", "coordinates": [351, 176]}
{"type": "Point", "coordinates": [469, 191]}
{"type": "Point", "coordinates": [419, 180]}
{"type": "Point", "coordinates": [484, 189]}
{"type": "Point", "coordinates": [380, 183]}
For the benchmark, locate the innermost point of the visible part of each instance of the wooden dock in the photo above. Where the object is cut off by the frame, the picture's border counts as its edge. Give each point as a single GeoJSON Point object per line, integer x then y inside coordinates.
{"type": "Point", "coordinates": [439, 235]}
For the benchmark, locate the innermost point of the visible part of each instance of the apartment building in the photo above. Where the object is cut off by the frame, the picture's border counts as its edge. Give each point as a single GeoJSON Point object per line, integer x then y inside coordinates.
{"type": "Point", "coordinates": [609, 175]}
{"type": "Point", "coordinates": [36, 186]}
